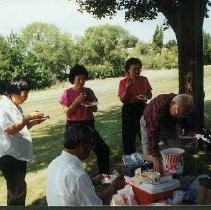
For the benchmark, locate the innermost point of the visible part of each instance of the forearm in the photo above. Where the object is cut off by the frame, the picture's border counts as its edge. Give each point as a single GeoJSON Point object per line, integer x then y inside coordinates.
{"type": "Point", "coordinates": [18, 126]}
{"type": "Point", "coordinates": [125, 97]}
{"type": "Point", "coordinates": [69, 109]}
{"type": "Point", "coordinates": [107, 195]}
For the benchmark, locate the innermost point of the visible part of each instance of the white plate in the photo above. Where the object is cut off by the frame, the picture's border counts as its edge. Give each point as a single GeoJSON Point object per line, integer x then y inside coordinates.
{"type": "Point", "coordinates": [188, 137]}
{"type": "Point", "coordinates": [109, 180]}
{"type": "Point", "coordinates": [89, 104]}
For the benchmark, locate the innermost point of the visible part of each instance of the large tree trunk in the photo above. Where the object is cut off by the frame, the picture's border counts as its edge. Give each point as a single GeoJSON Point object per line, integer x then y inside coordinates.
{"type": "Point", "coordinates": [189, 33]}
{"type": "Point", "coordinates": [186, 19]}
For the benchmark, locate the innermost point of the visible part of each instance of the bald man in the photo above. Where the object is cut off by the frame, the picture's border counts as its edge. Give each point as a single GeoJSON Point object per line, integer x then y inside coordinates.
{"type": "Point", "coordinates": [162, 119]}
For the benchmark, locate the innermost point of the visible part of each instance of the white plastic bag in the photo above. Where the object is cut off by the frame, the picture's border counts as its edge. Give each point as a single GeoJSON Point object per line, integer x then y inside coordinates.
{"type": "Point", "coordinates": [127, 195]}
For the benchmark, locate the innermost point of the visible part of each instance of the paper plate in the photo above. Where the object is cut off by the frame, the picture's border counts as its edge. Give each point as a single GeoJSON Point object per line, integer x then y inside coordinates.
{"type": "Point", "coordinates": [87, 104]}
{"type": "Point", "coordinates": [109, 180]}
{"type": "Point", "coordinates": [188, 137]}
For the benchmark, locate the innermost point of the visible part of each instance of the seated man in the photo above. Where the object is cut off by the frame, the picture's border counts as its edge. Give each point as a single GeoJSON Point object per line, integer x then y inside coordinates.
{"type": "Point", "coordinates": [161, 120]}
{"type": "Point", "coordinates": [67, 182]}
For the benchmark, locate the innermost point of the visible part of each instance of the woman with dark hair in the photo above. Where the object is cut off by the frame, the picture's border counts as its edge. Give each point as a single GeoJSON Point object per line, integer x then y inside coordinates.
{"type": "Point", "coordinates": [15, 139]}
{"type": "Point", "coordinates": [134, 91]}
{"type": "Point", "coordinates": [79, 103]}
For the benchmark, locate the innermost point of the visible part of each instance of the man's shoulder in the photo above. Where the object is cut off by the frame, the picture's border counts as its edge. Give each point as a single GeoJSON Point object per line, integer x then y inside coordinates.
{"type": "Point", "coordinates": [66, 166]}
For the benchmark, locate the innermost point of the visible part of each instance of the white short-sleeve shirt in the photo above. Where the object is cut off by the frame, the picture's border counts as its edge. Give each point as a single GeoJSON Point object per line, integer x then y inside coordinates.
{"type": "Point", "coordinates": [68, 184]}
{"type": "Point", "coordinates": [18, 145]}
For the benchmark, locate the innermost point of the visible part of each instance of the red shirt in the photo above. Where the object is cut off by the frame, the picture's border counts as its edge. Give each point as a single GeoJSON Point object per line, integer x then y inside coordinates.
{"type": "Point", "coordinates": [139, 87]}
{"type": "Point", "coordinates": [80, 113]}
{"type": "Point", "coordinates": [157, 116]}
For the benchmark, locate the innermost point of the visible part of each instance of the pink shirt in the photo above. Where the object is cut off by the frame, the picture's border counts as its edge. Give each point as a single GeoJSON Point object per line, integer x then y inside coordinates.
{"type": "Point", "coordinates": [81, 113]}
{"type": "Point", "coordinates": [141, 87]}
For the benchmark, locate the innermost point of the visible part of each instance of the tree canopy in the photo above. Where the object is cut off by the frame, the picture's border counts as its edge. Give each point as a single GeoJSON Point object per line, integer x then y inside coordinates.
{"type": "Point", "coordinates": [186, 18]}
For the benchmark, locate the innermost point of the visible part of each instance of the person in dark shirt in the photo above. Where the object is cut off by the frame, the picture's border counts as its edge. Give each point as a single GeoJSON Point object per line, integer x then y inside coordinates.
{"type": "Point", "coordinates": [162, 119]}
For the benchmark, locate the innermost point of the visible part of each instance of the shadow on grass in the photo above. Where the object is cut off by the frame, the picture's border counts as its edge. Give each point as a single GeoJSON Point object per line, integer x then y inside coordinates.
{"type": "Point", "coordinates": [48, 145]}
{"type": "Point", "coordinates": [198, 161]}
{"type": "Point", "coordinates": [39, 202]}
{"type": "Point", "coordinates": [47, 141]}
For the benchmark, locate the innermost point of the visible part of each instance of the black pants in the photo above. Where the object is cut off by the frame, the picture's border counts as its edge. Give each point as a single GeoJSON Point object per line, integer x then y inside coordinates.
{"type": "Point", "coordinates": [101, 149]}
{"type": "Point", "coordinates": [14, 172]}
{"type": "Point", "coordinates": [131, 115]}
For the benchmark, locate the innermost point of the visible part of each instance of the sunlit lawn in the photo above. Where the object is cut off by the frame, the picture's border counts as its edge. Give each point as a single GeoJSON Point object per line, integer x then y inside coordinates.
{"type": "Point", "coordinates": [47, 137]}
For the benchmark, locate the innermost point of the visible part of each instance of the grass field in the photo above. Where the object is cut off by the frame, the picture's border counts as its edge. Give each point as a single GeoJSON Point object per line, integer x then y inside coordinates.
{"type": "Point", "coordinates": [47, 137]}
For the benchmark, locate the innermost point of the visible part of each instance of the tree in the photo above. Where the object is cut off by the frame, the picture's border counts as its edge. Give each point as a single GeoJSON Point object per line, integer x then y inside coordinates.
{"type": "Point", "coordinates": [186, 19]}
{"type": "Point", "coordinates": [171, 44]}
{"type": "Point", "coordinates": [207, 48]}
{"type": "Point", "coordinates": [157, 41]}
{"type": "Point", "coordinates": [50, 52]}
{"type": "Point", "coordinates": [143, 48]}
{"type": "Point", "coordinates": [104, 48]}
{"type": "Point", "coordinates": [5, 59]}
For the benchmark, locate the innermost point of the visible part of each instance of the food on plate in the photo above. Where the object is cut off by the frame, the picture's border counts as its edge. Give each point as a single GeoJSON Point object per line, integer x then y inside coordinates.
{"type": "Point", "coordinates": [140, 177]}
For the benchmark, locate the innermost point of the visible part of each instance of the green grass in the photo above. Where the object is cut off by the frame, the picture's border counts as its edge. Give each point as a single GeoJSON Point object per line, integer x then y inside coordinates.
{"type": "Point", "coordinates": [47, 137]}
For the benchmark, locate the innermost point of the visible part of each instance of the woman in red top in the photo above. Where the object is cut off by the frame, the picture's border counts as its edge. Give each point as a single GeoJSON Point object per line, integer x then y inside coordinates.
{"type": "Point", "coordinates": [134, 90]}
{"type": "Point", "coordinates": [79, 103]}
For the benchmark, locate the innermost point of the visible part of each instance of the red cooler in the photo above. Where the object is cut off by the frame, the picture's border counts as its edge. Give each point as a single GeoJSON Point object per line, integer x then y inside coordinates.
{"type": "Point", "coordinates": [150, 193]}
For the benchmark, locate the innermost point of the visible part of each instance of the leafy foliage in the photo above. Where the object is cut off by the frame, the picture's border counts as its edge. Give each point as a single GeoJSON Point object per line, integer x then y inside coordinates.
{"type": "Point", "coordinates": [207, 48]}
{"type": "Point", "coordinates": [157, 40]}
{"type": "Point", "coordinates": [44, 55]}
{"type": "Point", "coordinates": [4, 58]}
{"type": "Point", "coordinates": [137, 10]}
{"type": "Point", "coordinates": [104, 48]}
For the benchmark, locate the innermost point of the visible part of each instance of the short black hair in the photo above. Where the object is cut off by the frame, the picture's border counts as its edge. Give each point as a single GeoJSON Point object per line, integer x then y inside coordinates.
{"type": "Point", "coordinates": [15, 86]}
{"type": "Point", "coordinates": [132, 61]}
{"type": "Point", "coordinates": [78, 134]}
{"type": "Point", "coordinates": [77, 70]}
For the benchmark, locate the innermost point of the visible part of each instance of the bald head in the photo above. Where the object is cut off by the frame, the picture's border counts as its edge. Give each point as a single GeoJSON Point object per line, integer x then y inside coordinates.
{"type": "Point", "coordinates": [181, 105]}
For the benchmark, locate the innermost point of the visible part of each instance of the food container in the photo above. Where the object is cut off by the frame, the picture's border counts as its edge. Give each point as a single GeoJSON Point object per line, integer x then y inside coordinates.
{"type": "Point", "coordinates": [154, 177]}
{"type": "Point", "coordinates": [133, 162]}
{"type": "Point", "coordinates": [173, 160]}
{"type": "Point", "coordinates": [149, 193]}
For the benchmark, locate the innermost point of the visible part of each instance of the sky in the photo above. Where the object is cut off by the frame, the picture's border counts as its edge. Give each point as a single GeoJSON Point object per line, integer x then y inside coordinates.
{"type": "Point", "coordinates": [17, 14]}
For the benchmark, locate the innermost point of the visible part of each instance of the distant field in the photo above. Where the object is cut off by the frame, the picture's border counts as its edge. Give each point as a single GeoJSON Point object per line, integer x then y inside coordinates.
{"type": "Point", "coordinates": [47, 137]}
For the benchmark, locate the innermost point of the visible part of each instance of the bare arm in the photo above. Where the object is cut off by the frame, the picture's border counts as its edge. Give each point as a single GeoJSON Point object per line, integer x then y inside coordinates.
{"type": "Point", "coordinates": [107, 194]}
{"type": "Point", "coordinates": [126, 95]}
{"type": "Point", "coordinates": [71, 108]}
{"type": "Point", "coordinates": [28, 120]}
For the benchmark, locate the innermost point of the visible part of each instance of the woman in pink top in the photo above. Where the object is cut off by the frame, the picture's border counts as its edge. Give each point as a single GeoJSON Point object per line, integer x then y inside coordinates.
{"type": "Point", "coordinates": [79, 103]}
{"type": "Point", "coordinates": [134, 90]}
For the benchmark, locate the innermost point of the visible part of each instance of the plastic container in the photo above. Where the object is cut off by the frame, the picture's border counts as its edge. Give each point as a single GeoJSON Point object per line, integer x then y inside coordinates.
{"type": "Point", "coordinates": [173, 160]}
{"type": "Point", "coordinates": [148, 193]}
{"type": "Point", "coordinates": [133, 162]}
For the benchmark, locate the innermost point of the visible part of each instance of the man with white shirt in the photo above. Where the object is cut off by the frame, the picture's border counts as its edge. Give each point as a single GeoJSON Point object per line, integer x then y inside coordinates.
{"type": "Point", "coordinates": [67, 182]}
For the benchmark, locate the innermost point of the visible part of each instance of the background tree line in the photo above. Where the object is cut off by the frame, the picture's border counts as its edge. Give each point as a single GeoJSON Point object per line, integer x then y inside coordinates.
{"type": "Point", "coordinates": [44, 55]}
